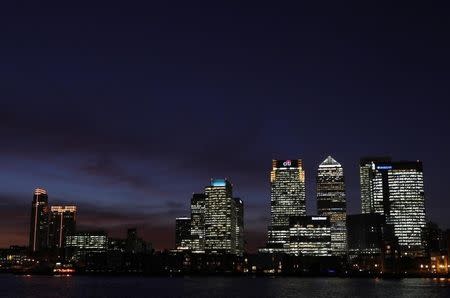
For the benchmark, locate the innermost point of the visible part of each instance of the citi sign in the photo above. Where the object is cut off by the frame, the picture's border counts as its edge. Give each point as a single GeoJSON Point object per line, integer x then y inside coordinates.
{"type": "Point", "coordinates": [287, 163]}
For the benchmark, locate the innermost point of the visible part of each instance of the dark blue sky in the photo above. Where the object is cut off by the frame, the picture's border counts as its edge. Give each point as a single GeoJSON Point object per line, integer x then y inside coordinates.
{"type": "Point", "coordinates": [126, 109]}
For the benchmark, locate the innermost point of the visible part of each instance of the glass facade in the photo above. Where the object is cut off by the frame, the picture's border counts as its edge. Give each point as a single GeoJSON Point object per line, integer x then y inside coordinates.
{"type": "Point", "coordinates": [365, 173]}
{"type": "Point", "coordinates": [198, 222]}
{"type": "Point", "coordinates": [331, 202]}
{"type": "Point", "coordinates": [397, 192]}
{"type": "Point", "coordinates": [407, 205]}
{"type": "Point", "coordinates": [287, 199]}
{"type": "Point", "coordinates": [220, 218]}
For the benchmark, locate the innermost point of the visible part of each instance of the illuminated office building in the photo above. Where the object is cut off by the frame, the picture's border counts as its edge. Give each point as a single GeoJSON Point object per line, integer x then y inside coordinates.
{"type": "Point", "coordinates": [198, 222]}
{"type": "Point", "coordinates": [310, 236]}
{"type": "Point", "coordinates": [331, 202]}
{"type": "Point", "coordinates": [287, 199]}
{"type": "Point", "coordinates": [81, 244]}
{"type": "Point", "coordinates": [397, 192]}
{"type": "Point", "coordinates": [365, 174]}
{"type": "Point", "coordinates": [183, 233]}
{"type": "Point", "coordinates": [62, 223]}
{"type": "Point", "coordinates": [220, 218]}
{"type": "Point", "coordinates": [239, 226]}
{"type": "Point", "coordinates": [95, 241]}
{"type": "Point", "coordinates": [39, 221]}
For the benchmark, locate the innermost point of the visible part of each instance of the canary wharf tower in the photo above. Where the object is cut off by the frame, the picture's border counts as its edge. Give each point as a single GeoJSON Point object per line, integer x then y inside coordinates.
{"type": "Point", "coordinates": [331, 202]}
{"type": "Point", "coordinates": [287, 199]}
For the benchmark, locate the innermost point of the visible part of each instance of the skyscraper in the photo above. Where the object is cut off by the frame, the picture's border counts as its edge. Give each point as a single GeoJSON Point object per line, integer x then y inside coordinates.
{"type": "Point", "coordinates": [331, 202]}
{"type": "Point", "coordinates": [239, 226]}
{"type": "Point", "coordinates": [39, 221]}
{"type": "Point", "coordinates": [287, 199]}
{"type": "Point", "coordinates": [365, 173]}
{"type": "Point", "coordinates": [62, 223]}
{"type": "Point", "coordinates": [182, 233]}
{"type": "Point", "coordinates": [397, 192]}
{"type": "Point", "coordinates": [198, 222]}
{"type": "Point", "coordinates": [220, 218]}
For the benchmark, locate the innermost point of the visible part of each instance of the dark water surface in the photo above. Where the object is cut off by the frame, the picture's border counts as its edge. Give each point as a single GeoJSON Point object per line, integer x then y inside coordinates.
{"type": "Point", "coordinates": [85, 286]}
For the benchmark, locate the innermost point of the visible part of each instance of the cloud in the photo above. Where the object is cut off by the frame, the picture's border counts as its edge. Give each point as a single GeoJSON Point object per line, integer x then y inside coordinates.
{"type": "Point", "coordinates": [112, 172]}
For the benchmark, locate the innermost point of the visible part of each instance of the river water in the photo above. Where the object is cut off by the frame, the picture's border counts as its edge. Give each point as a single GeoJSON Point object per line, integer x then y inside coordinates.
{"type": "Point", "coordinates": [215, 287]}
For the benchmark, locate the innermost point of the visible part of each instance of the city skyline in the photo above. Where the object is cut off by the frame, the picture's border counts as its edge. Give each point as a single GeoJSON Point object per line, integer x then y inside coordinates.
{"type": "Point", "coordinates": [390, 236]}
{"type": "Point", "coordinates": [126, 110]}
{"type": "Point", "coordinates": [329, 178]}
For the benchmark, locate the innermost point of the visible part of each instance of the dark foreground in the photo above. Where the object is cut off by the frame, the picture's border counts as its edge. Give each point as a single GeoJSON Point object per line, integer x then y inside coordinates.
{"type": "Point", "coordinates": [96, 286]}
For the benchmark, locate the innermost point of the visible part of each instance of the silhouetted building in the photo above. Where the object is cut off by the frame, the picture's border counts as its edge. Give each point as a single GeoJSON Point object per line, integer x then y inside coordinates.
{"type": "Point", "coordinates": [39, 221]}
{"type": "Point", "coordinates": [13, 256]}
{"type": "Point", "coordinates": [127, 255]}
{"type": "Point", "coordinates": [310, 236]}
{"type": "Point", "coordinates": [434, 239]}
{"type": "Point", "coordinates": [287, 199]}
{"type": "Point", "coordinates": [397, 192]}
{"type": "Point", "coordinates": [62, 223]}
{"type": "Point", "coordinates": [239, 226]}
{"type": "Point", "coordinates": [331, 202]}
{"type": "Point", "coordinates": [365, 234]}
{"type": "Point", "coordinates": [116, 244]}
{"type": "Point", "coordinates": [135, 244]}
{"type": "Point", "coordinates": [220, 218]}
{"type": "Point", "coordinates": [183, 233]}
{"type": "Point", "coordinates": [372, 245]}
{"type": "Point", "coordinates": [198, 222]}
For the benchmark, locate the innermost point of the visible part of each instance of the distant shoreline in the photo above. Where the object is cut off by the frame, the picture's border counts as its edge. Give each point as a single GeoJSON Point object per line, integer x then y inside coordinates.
{"type": "Point", "coordinates": [233, 275]}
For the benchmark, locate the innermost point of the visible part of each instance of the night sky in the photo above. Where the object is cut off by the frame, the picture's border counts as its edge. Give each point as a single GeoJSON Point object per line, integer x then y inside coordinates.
{"type": "Point", "coordinates": [125, 109]}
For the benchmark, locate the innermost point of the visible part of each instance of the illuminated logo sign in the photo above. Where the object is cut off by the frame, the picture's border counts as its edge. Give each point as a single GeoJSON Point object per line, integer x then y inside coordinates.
{"type": "Point", "coordinates": [287, 163]}
{"type": "Point", "coordinates": [319, 218]}
{"type": "Point", "coordinates": [384, 167]}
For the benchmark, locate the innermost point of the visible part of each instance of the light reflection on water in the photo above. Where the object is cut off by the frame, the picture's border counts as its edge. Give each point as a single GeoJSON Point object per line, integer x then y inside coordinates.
{"type": "Point", "coordinates": [216, 287]}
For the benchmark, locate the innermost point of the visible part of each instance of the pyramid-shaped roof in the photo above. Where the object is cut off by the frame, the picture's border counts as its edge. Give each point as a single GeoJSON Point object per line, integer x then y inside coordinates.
{"type": "Point", "coordinates": [330, 161]}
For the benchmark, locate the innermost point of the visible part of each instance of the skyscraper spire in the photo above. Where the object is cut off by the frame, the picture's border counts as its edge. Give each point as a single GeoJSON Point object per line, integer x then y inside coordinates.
{"type": "Point", "coordinates": [330, 161]}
